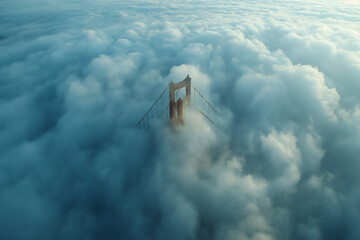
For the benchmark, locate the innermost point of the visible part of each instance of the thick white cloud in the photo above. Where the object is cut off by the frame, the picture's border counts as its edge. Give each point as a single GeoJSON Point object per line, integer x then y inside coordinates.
{"type": "Point", "coordinates": [280, 163]}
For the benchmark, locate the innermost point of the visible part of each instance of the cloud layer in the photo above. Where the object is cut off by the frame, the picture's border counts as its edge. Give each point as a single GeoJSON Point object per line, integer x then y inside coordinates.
{"type": "Point", "coordinates": [281, 163]}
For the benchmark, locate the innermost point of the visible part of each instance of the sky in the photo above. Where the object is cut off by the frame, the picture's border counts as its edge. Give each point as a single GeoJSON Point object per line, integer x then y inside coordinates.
{"type": "Point", "coordinates": [281, 162]}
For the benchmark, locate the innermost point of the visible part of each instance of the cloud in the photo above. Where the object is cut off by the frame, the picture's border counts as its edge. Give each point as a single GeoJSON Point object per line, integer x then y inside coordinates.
{"type": "Point", "coordinates": [280, 163]}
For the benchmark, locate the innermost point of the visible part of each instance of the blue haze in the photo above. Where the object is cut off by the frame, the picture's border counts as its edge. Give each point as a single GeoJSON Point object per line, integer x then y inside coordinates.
{"type": "Point", "coordinates": [282, 162]}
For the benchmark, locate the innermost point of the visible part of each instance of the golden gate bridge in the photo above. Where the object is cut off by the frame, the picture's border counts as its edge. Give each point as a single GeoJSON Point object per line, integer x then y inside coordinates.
{"type": "Point", "coordinates": [182, 97]}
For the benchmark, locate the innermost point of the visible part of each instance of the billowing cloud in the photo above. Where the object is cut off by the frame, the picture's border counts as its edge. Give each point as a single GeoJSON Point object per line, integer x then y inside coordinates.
{"type": "Point", "coordinates": [281, 162]}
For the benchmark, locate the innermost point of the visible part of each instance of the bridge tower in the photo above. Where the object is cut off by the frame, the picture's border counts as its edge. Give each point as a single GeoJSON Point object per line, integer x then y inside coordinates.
{"type": "Point", "coordinates": [176, 108]}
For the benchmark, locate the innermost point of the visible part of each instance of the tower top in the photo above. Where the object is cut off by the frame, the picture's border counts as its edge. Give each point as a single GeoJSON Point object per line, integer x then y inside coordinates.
{"type": "Point", "coordinates": [177, 106]}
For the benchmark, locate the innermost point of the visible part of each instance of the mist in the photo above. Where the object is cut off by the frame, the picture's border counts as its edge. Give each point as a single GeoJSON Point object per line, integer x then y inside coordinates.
{"type": "Point", "coordinates": [280, 162]}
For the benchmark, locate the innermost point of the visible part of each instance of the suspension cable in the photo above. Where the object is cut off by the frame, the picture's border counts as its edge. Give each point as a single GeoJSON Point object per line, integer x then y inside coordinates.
{"type": "Point", "coordinates": [151, 107]}
{"type": "Point", "coordinates": [205, 100]}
